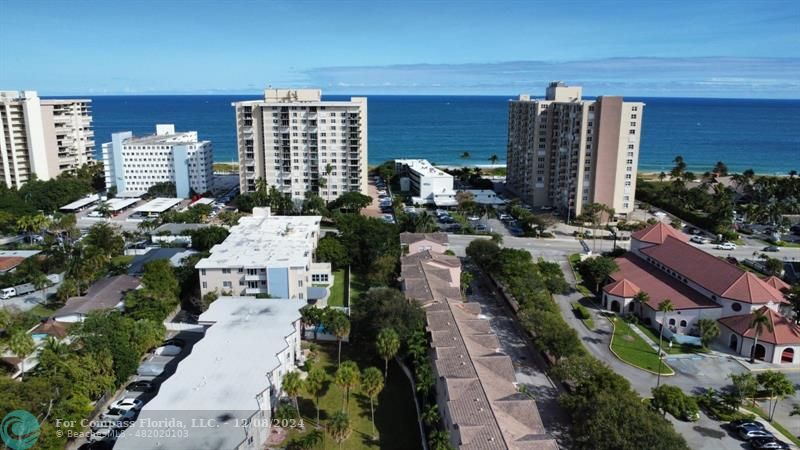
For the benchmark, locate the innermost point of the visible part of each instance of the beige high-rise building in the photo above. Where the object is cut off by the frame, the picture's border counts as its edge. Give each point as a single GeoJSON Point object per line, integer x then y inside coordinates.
{"type": "Point", "coordinates": [297, 142]}
{"type": "Point", "coordinates": [566, 152]}
{"type": "Point", "coordinates": [43, 137]}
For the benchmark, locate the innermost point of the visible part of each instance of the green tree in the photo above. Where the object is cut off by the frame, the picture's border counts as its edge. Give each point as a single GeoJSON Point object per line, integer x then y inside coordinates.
{"type": "Point", "coordinates": [721, 169]}
{"type": "Point", "coordinates": [598, 269]}
{"type": "Point", "coordinates": [774, 266]}
{"type": "Point", "coordinates": [466, 279]}
{"type": "Point", "coordinates": [205, 238]}
{"type": "Point", "coordinates": [493, 159]}
{"type": "Point", "coordinates": [292, 385]}
{"type": "Point", "coordinates": [338, 324]}
{"type": "Point", "coordinates": [381, 308]}
{"type": "Point", "coordinates": [103, 209]}
{"type": "Point", "coordinates": [22, 345]}
{"type": "Point", "coordinates": [640, 299]}
{"type": "Point", "coordinates": [439, 440]}
{"type": "Point", "coordinates": [709, 330]}
{"type": "Point", "coordinates": [229, 218]}
{"type": "Point", "coordinates": [758, 324]}
{"type": "Point", "coordinates": [163, 189]}
{"type": "Point", "coordinates": [338, 427]}
{"type": "Point", "coordinates": [778, 385]}
{"type": "Point", "coordinates": [352, 202]}
{"type": "Point", "coordinates": [744, 386]}
{"type": "Point", "coordinates": [347, 377]}
{"type": "Point", "coordinates": [430, 415]}
{"type": "Point", "coordinates": [388, 344]}
{"type": "Point", "coordinates": [41, 282]}
{"type": "Point", "coordinates": [552, 334]}
{"type": "Point", "coordinates": [372, 385]}
{"type": "Point", "coordinates": [105, 238]}
{"type": "Point", "coordinates": [329, 249]}
{"type": "Point", "coordinates": [664, 307]}
{"type": "Point", "coordinates": [316, 385]}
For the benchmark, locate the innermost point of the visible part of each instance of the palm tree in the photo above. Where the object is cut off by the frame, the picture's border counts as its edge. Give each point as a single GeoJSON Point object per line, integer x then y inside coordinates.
{"type": "Point", "coordinates": [103, 209]}
{"type": "Point", "coordinates": [339, 427]}
{"type": "Point", "coordinates": [430, 414]}
{"type": "Point", "coordinates": [292, 385]}
{"type": "Point", "coordinates": [640, 299]}
{"type": "Point", "coordinates": [708, 330]}
{"type": "Point", "coordinates": [759, 322]}
{"type": "Point", "coordinates": [388, 344]}
{"type": "Point", "coordinates": [439, 440]}
{"type": "Point", "coordinates": [315, 385]}
{"type": "Point", "coordinates": [347, 377]}
{"type": "Point", "coordinates": [21, 343]}
{"type": "Point", "coordinates": [661, 176]}
{"type": "Point", "coordinates": [665, 307]}
{"type": "Point", "coordinates": [494, 158]}
{"type": "Point", "coordinates": [40, 283]}
{"type": "Point", "coordinates": [340, 327]}
{"type": "Point", "coordinates": [372, 385]}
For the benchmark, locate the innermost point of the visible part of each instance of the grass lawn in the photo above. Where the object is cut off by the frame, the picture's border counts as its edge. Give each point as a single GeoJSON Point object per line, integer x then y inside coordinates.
{"type": "Point", "coordinates": [786, 433]}
{"type": "Point", "coordinates": [122, 259]}
{"type": "Point", "coordinates": [337, 289]}
{"type": "Point", "coordinates": [42, 311]}
{"type": "Point", "coordinates": [578, 309]}
{"type": "Point", "coordinates": [574, 260]}
{"type": "Point", "coordinates": [358, 286]}
{"type": "Point", "coordinates": [632, 349]}
{"type": "Point", "coordinates": [676, 348]}
{"type": "Point", "coordinates": [395, 416]}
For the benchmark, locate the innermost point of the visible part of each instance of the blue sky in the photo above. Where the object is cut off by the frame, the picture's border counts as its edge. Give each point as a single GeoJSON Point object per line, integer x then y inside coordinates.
{"type": "Point", "coordinates": [635, 48]}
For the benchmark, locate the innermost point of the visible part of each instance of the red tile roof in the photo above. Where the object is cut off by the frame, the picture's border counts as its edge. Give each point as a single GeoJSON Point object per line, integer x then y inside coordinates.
{"type": "Point", "coordinates": [777, 283]}
{"type": "Point", "coordinates": [658, 285]}
{"type": "Point", "coordinates": [720, 277]}
{"type": "Point", "coordinates": [9, 262]}
{"type": "Point", "coordinates": [622, 288]}
{"type": "Point", "coordinates": [783, 330]}
{"type": "Point", "coordinates": [658, 233]}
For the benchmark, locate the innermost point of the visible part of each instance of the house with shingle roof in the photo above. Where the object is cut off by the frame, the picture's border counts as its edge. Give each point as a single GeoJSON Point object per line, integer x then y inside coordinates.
{"type": "Point", "coordinates": [417, 242]}
{"type": "Point", "coordinates": [664, 265]}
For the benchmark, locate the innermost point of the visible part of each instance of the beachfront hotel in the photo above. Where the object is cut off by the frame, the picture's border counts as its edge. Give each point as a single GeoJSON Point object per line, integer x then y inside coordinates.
{"type": "Point", "coordinates": [42, 137]}
{"type": "Point", "coordinates": [567, 152]}
{"type": "Point", "coordinates": [298, 143]}
{"type": "Point", "coordinates": [134, 164]}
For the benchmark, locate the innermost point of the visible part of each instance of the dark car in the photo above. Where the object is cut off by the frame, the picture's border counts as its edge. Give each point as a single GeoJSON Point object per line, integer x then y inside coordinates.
{"type": "Point", "coordinates": [771, 248]}
{"type": "Point", "coordinates": [738, 423]}
{"type": "Point", "coordinates": [768, 444]}
{"type": "Point", "coordinates": [174, 341]}
{"type": "Point", "coordinates": [141, 386]}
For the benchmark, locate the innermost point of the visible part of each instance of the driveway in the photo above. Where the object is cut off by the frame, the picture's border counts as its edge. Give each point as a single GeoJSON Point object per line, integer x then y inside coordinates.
{"type": "Point", "coordinates": [28, 301]}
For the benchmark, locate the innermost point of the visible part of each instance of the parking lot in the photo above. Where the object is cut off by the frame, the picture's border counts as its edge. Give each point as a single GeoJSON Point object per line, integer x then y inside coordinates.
{"type": "Point", "coordinates": [140, 389]}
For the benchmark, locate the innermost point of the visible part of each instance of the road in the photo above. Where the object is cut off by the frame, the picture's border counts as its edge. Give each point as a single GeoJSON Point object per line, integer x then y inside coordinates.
{"type": "Point", "coordinates": [28, 301]}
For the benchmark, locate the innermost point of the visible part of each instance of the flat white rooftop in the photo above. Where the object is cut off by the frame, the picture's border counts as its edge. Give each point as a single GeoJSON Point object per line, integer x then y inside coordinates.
{"type": "Point", "coordinates": [18, 253]}
{"type": "Point", "coordinates": [264, 240]}
{"type": "Point", "coordinates": [159, 205]}
{"type": "Point", "coordinates": [423, 167]}
{"type": "Point", "coordinates": [78, 204]}
{"type": "Point", "coordinates": [116, 204]}
{"type": "Point", "coordinates": [221, 378]}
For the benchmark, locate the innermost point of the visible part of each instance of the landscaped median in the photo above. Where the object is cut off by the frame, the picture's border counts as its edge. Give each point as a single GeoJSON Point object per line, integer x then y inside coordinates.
{"type": "Point", "coordinates": [583, 314]}
{"type": "Point", "coordinates": [632, 349]}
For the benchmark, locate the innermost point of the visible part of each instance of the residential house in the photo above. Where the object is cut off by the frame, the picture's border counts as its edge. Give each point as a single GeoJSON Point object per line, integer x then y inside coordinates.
{"type": "Point", "coordinates": [107, 293]}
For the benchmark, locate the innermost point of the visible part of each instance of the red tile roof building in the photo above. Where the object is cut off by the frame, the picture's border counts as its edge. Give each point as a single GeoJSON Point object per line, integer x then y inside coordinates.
{"type": "Point", "coordinates": [664, 265]}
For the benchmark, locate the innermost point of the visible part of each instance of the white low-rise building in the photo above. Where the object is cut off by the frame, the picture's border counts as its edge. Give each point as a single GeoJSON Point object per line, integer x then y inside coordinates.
{"type": "Point", "coordinates": [265, 255]}
{"type": "Point", "coordinates": [222, 394]}
{"type": "Point", "coordinates": [134, 164]}
{"type": "Point", "coordinates": [428, 185]}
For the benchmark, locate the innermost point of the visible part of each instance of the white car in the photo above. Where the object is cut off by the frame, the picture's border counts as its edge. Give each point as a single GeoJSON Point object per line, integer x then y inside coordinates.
{"type": "Point", "coordinates": [103, 434]}
{"type": "Point", "coordinates": [126, 404]}
{"type": "Point", "coordinates": [726, 246]}
{"type": "Point", "coordinates": [167, 350]}
{"type": "Point", "coordinates": [699, 240]}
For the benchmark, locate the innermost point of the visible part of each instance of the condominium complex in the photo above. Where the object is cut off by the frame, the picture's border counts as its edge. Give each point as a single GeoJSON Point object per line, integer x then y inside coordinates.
{"type": "Point", "coordinates": [298, 143]}
{"type": "Point", "coordinates": [427, 184]}
{"type": "Point", "coordinates": [42, 137]}
{"type": "Point", "coordinates": [134, 164]}
{"type": "Point", "coordinates": [567, 152]}
{"type": "Point", "coordinates": [266, 255]}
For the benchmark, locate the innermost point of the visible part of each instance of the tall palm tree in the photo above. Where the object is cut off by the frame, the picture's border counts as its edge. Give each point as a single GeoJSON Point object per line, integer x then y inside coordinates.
{"type": "Point", "coordinates": [661, 176]}
{"type": "Point", "coordinates": [758, 323]}
{"type": "Point", "coordinates": [372, 385]}
{"type": "Point", "coordinates": [708, 330]}
{"type": "Point", "coordinates": [21, 343]}
{"type": "Point", "coordinates": [292, 385]}
{"type": "Point", "coordinates": [339, 427]}
{"type": "Point", "coordinates": [315, 385]}
{"type": "Point", "coordinates": [388, 344]}
{"type": "Point", "coordinates": [347, 377]}
{"type": "Point", "coordinates": [494, 158]}
{"type": "Point", "coordinates": [665, 307]}
{"type": "Point", "coordinates": [340, 327]}
{"type": "Point", "coordinates": [40, 283]}
{"type": "Point", "coordinates": [640, 299]}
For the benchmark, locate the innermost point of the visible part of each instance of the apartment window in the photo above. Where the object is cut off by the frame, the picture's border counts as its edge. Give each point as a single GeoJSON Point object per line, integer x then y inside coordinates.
{"type": "Point", "coordinates": [202, 271]}
{"type": "Point", "coordinates": [633, 116]}
{"type": "Point", "coordinates": [226, 270]}
{"type": "Point", "coordinates": [227, 284]}
{"type": "Point", "coordinates": [633, 124]}
{"type": "Point", "coordinates": [634, 108]}
{"type": "Point", "coordinates": [628, 176]}
{"type": "Point", "coordinates": [631, 131]}
{"type": "Point", "coordinates": [205, 285]}
{"type": "Point", "coordinates": [630, 161]}
{"type": "Point", "coordinates": [625, 205]}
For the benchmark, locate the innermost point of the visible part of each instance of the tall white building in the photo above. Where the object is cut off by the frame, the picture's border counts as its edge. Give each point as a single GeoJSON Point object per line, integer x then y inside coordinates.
{"type": "Point", "coordinates": [43, 137]}
{"type": "Point", "coordinates": [428, 184]}
{"type": "Point", "coordinates": [566, 152]}
{"type": "Point", "coordinates": [297, 142]}
{"type": "Point", "coordinates": [134, 164]}
{"type": "Point", "coordinates": [267, 255]}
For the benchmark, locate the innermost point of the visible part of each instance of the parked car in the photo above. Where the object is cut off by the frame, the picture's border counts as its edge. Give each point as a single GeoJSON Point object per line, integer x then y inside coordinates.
{"type": "Point", "coordinates": [115, 418]}
{"type": "Point", "coordinates": [505, 217]}
{"type": "Point", "coordinates": [749, 432]}
{"type": "Point", "coordinates": [768, 444]}
{"type": "Point", "coordinates": [167, 350]}
{"type": "Point", "coordinates": [739, 423]}
{"type": "Point", "coordinates": [480, 227]}
{"type": "Point", "coordinates": [771, 248]}
{"type": "Point", "coordinates": [126, 404]}
{"type": "Point", "coordinates": [141, 386]}
{"type": "Point", "coordinates": [103, 434]}
{"type": "Point", "coordinates": [174, 341]}
{"type": "Point", "coordinates": [473, 218]}
{"type": "Point", "coordinates": [698, 239]}
{"type": "Point", "coordinates": [726, 246]}
{"type": "Point", "coordinates": [546, 208]}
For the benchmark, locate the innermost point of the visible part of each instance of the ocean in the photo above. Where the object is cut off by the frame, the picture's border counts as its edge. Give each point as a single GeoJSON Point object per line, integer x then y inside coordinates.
{"type": "Point", "coordinates": [763, 135]}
